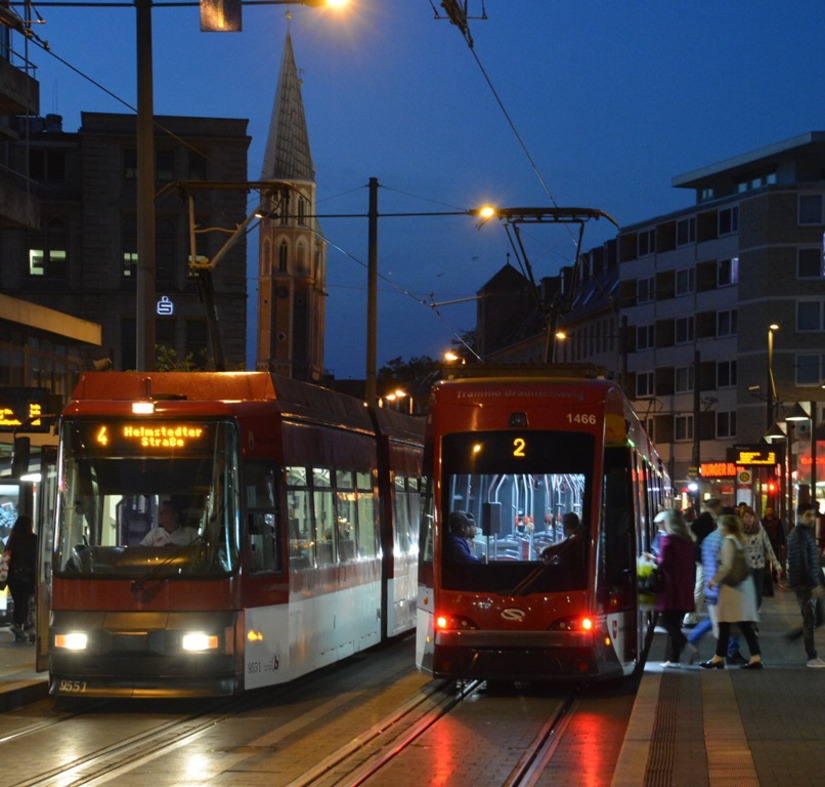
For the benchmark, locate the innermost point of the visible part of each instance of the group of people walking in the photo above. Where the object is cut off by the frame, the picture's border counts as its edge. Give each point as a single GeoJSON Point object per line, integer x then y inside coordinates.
{"type": "Point", "coordinates": [724, 559]}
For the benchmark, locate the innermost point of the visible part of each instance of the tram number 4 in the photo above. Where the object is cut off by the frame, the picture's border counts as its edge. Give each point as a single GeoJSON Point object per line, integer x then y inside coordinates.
{"type": "Point", "coordinates": [266, 666]}
{"type": "Point", "coordinates": [72, 686]}
{"type": "Point", "coordinates": [581, 418]}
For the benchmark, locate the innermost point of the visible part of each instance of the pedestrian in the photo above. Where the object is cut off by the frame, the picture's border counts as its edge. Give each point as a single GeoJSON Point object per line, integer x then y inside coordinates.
{"type": "Point", "coordinates": [461, 531]}
{"type": "Point", "coordinates": [710, 554]}
{"type": "Point", "coordinates": [702, 527]}
{"type": "Point", "coordinates": [737, 602]}
{"type": "Point", "coordinates": [776, 533]}
{"type": "Point", "coordinates": [22, 573]}
{"type": "Point", "coordinates": [804, 578]}
{"type": "Point", "coordinates": [758, 551]}
{"type": "Point", "coordinates": [675, 599]}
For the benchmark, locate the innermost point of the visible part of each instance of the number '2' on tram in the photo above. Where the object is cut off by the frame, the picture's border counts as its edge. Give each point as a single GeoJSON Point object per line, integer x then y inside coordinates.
{"type": "Point", "coordinates": [544, 492]}
{"type": "Point", "coordinates": [217, 532]}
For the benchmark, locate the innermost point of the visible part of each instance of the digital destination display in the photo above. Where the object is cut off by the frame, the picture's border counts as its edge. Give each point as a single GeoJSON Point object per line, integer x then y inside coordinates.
{"type": "Point", "coordinates": [143, 437]}
{"type": "Point", "coordinates": [18, 405]}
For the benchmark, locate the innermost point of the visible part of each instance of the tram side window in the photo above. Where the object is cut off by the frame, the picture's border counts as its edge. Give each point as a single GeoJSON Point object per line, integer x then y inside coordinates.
{"type": "Point", "coordinates": [367, 531]}
{"type": "Point", "coordinates": [617, 533]}
{"type": "Point", "coordinates": [347, 515]}
{"type": "Point", "coordinates": [326, 542]}
{"type": "Point", "coordinates": [400, 515]}
{"type": "Point", "coordinates": [426, 549]}
{"type": "Point", "coordinates": [299, 519]}
{"type": "Point", "coordinates": [261, 506]}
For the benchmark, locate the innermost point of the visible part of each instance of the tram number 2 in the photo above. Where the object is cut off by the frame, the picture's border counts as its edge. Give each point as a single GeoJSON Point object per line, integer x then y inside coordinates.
{"type": "Point", "coordinates": [581, 418]}
{"type": "Point", "coordinates": [72, 686]}
{"type": "Point", "coordinates": [264, 666]}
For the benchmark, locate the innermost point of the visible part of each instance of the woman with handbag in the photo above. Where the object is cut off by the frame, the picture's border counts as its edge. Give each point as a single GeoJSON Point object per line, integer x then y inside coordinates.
{"type": "Point", "coordinates": [675, 598]}
{"type": "Point", "coordinates": [737, 595]}
{"type": "Point", "coordinates": [22, 568]}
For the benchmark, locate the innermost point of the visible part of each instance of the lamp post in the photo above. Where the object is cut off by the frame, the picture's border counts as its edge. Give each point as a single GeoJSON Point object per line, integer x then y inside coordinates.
{"type": "Point", "coordinates": [771, 398]}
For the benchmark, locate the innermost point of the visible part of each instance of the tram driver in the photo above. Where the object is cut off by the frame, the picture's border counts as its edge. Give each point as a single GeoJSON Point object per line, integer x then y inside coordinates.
{"type": "Point", "coordinates": [169, 531]}
{"type": "Point", "coordinates": [461, 529]}
{"type": "Point", "coordinates": [572, 551]}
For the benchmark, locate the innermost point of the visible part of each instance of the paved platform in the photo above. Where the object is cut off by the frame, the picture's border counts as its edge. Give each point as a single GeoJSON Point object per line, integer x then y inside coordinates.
{"type": "Point", "coordinates": [19, 683]}
{"type": "Point", "coordinates": [693, 727]}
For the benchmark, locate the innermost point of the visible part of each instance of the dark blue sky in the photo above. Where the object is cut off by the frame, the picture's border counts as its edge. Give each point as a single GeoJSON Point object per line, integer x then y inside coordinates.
{"type": "Point", "coordinates": [611, 100]}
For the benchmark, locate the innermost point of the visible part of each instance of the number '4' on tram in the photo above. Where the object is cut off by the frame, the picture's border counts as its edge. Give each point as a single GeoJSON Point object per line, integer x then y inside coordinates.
{"type": "Point", "coordinates": [543, 493]}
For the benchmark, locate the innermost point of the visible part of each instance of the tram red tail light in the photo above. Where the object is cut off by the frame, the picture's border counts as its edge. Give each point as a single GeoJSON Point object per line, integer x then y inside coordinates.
{"type": "Point", "coordinates": [454, 623]}
{"type": "Point", "coordinates": [578, 623]}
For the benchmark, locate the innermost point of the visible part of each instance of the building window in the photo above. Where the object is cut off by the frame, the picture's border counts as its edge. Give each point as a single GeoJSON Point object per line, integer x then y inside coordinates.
{"type": "Point", "coordinates": [810, 209]}
{"type": "Point", "coordinates": [644, 384]}
{"type": "Point", "coordinates": [706, 194]}
{"type": "Point", "coordinates": [726, 424]}
{"type": "Point", "coordinates": [47, 255]}
{"type": "Point", "coordinates": [809, 316]}
{"type": "Point", "coordinates": [283, 251]}
{"type": "Point", "coordinates": [196, 165]}
{"type": "Point", "coordinates": [729, 220]}
{"type": "Point", "coordinates": [130, 164]}
{"type": "Point", "coordinates": [809, 369]}
{"type": "Point", "coordinates": [645, 337]}
{"type": "Point", "coordinates": [128, 245]}
{"type": "Point", "coordinates": [684, 330]}
{"type": "Point", "coordinates": [686, 231]}
{"type": "Point", "coordinates": [301, 211]}
{"type": "Point", "coordinates": [47, 165]}
{"type": "Point", "coordinates": [683, 379]}
{"type": "Point", "coordinates": [683, 428]}
{"type": "Point", "coordinates": [727, 272]}
{"type": "Point", "coordinates": [645, 290]}
{"type": "Point", "coordinates": [646, 242]}
{"type": "Point", "coordinates": [726, 323]}
{"type": "Point", "coordinates": [165, 166]}
{"type": "Point", "coordinates": [810, 263]}
{"type": "Point", "coordinates": [725, 374]}
{"type": "Point", "coordinates": [685, 281]}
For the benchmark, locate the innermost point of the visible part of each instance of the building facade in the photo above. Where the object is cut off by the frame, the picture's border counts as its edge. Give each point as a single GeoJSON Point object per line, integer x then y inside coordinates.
{"type": "Point", "coordinates": [81, 259]}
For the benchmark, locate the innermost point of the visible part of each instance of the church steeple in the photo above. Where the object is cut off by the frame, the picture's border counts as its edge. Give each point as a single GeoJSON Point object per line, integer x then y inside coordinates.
{"type": "Point", "coordinates": [287, 155]}
{"type": "Point", "coordinates": [292, 255]}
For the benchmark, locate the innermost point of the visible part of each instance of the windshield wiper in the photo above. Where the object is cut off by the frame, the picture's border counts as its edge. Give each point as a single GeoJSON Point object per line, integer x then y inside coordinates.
{"type": "Point", "coordinates": [150, 574]}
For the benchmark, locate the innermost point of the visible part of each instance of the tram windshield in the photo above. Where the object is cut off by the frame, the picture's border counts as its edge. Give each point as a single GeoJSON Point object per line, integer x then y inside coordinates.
{"type": "Point", "coordinates": [523, 500]}
{"type": "Point", "coordinates": [147, 498]}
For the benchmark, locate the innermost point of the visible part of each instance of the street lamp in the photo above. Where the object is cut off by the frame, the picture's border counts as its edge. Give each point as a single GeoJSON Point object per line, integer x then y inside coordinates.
{"type": "Point", "coordinates": [771, 383]}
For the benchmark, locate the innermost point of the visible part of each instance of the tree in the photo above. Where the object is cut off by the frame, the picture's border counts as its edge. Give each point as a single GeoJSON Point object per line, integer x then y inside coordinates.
{"type": "Point", "coordinates": [397, 373]}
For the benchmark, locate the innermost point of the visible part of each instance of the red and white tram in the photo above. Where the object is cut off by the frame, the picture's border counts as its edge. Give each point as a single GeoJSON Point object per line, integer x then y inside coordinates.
{"type": "Point", "coordinates": [297, 545]}
{"type": "Point", "coordinates": [517, 451]}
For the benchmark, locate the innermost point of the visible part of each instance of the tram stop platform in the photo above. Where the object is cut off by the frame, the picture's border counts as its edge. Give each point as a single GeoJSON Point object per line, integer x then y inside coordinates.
{"type": "Point", "coordinates": [692, 727]}
{"type": "Point", "coordinates": [20, 684]}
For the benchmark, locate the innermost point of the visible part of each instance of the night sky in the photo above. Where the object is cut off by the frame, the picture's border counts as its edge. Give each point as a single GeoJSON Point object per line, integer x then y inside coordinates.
{"type": "Point", "coordinates": [605, 102]}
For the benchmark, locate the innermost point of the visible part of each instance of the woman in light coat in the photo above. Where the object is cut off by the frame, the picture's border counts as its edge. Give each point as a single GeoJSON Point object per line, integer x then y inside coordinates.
{"type": "Point", "coordinates": [736, 603]}
{"type": "Point", "coordinates": [758, 551]}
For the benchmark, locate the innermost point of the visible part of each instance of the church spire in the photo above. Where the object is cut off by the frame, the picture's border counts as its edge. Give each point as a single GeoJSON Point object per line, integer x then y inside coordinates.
{"type": "Point", "coordinates": [287, 155]}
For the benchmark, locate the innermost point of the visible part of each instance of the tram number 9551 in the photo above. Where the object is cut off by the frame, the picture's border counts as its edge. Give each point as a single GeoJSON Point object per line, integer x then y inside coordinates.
{"type": "Point", "coordinates": [72, 686]}
{"type": "Point", "coordinates": [267, 666]}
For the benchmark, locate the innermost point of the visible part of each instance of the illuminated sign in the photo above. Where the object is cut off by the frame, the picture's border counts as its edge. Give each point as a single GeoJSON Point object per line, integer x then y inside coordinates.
{"type": "Point", "coordinates": [750, 455]}
{"type": "Point", "coordinates": [18, 405]}
{"type": "Point", "coordinates": [165, 307]}
{"type": "Point", "coordinates": [143, 438]}
{"type": "Point", "coordinates": [717, 469]}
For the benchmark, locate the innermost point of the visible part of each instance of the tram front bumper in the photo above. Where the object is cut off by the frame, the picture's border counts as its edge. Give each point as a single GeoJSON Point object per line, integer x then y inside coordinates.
{"type": "Point", "coordinates": [528, 656]}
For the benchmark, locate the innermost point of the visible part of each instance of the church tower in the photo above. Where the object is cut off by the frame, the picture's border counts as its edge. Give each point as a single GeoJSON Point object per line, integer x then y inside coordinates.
{"type": "Point", "coordinates": [292, 256]}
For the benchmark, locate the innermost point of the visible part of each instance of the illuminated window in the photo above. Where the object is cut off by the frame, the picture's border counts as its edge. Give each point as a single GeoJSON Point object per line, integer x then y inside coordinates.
{"type": "Point", "coordinates": [47, 258]}
{"type": "Point", "coordinates": [128, 243]}
{"type": "Point", "coordinates": [727, 272]}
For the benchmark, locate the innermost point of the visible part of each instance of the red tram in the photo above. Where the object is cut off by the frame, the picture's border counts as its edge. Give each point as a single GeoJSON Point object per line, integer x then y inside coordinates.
{"type": "Point", "coordinates": [296, 543]}
{"type": "Point", "coordinates": [517, 453]}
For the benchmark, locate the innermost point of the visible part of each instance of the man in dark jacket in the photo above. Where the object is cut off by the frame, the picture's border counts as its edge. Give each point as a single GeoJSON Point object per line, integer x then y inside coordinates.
{"type": "Point", "coordinates": [804, 577]}
{"type": "Point", "coordinates": [461, 530]}
{"type": "Point", "coordinates": [702, 527]}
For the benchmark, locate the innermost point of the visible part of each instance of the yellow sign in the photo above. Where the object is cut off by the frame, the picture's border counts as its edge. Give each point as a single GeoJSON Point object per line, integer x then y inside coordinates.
{"type": "Point", "coordinates": [763, 457]}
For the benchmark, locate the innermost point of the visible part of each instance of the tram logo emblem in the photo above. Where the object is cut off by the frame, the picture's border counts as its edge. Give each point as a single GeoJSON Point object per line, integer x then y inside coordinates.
{"type": "Point", "coordinates": [511, 613]}
{"type": "Point", "coordinates": [615, 628]}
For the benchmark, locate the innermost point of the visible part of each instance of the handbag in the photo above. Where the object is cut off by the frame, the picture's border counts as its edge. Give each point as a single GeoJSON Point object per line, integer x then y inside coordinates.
{"type": "Point", "coordinates": [650, 582]}
{"type": "Point", "coordinates": [740, 570]}
{"type": "Point", "coordinates": [4, 568]}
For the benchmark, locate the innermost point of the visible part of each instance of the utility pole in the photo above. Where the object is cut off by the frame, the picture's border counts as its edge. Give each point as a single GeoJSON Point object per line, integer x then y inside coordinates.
{"type": "Point", "coordinates": [370, 387]}
{"type": "Point", "coordinates": [145, 312]}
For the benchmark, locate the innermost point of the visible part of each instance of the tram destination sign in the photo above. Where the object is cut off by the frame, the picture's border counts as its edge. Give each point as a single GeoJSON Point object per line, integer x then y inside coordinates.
{"type": "Point", "coordinates": [21, 408]}
{"type": "Point", "coordinates": [145, 438]}
{"type": "Point", "coordinates": [755, 455]}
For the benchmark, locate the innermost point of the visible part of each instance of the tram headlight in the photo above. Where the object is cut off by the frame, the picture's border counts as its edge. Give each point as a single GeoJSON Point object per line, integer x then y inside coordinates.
{"type": "Point", "coordinates": [199, 641]}
{"type": "Point", "coordinates": [74, 640]}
